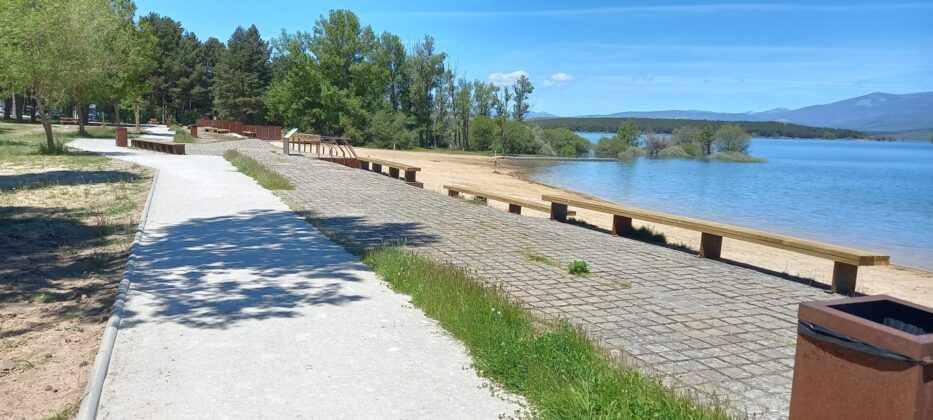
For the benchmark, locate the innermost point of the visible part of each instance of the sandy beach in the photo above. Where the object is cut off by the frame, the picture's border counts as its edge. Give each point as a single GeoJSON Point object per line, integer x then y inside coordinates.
{"type": "Point", "coordinates": [484, 172]}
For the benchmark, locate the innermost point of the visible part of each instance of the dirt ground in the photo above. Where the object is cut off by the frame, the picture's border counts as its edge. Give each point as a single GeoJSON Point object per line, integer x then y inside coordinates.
{"type": "Point", "coordinates": [484, 172]}
{"type": "Point", "coordinates": [66, 226]}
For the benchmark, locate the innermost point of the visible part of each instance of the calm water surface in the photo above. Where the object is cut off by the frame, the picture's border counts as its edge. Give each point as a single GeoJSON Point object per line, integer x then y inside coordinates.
{"type": "Point", "coordinates": [871, 195]}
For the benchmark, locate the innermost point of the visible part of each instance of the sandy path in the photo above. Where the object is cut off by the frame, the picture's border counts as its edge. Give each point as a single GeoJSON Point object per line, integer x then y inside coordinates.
{"type": "Point", "coordinates": [438, 169]}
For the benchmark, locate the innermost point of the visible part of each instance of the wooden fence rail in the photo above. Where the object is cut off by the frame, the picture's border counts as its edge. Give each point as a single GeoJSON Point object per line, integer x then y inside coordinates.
{"type": "Point", "coordinates": [262, 132]}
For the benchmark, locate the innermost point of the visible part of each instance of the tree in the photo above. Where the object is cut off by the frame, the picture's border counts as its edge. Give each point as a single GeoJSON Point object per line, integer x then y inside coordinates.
{"type": "Point", "coordinates": [43, 43]}
{"type": "Point", "coordinates": [731, 138]}
{"type": "Point", "coordinates": [463, 111]}
{"type": "Point", "coordinates": [391, 56]}
{"type": "Point", "coordinates": [388, 129]}
{"type": "Point", "coordinates": [484, 98]}
{"type": "Point", "coordinates": [168, 69]}
{"type": "Point", "coordinates": [705, 140]}
{"type": "Point", "coordinates": [130, 82]}
{"type": "Point", "coordinates": [242, 76]}
{"type": "Point", "coordinates": [426, 69]}
{"type": "Point", "coordinates": [522, 90]}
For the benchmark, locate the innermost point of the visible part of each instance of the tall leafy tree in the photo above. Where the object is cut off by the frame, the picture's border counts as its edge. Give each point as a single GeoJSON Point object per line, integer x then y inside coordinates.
{"type": "Point", "coordinates": [484, 98]}
{"type": "Point", "coordinates": [427, 67]}
{"type": "Point", "coordinates": [522, 90]}
{"type": "Point", "coordinates": [168, 34]}
{"type": "Point", "coordinates": [242, 76]}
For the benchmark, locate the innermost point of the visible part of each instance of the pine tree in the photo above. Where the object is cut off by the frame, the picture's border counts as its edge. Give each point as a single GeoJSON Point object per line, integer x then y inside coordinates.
{"type": "Point", "coordinates": [242, 76]}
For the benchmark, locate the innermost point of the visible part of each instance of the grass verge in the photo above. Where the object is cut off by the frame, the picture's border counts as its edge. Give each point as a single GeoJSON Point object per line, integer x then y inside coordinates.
{"type": "Point", "coordinates": [182, 135]}
{"type": "Point", "coordinates": [265, 177]}
{"type": "Point", "coordinates": [553, 366]}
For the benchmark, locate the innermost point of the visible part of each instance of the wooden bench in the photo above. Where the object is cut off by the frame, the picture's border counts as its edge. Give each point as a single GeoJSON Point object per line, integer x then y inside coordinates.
{"type": "Point", "coordinates": [159, 146]}
{"type": "Point", "coordinates": [250, 134]}
{"type": "Point", "coordinates": [394, 168]}
{"type": "Point", "coordinates": [67, 120]}
{"type": "Point", "coordinates": [153, 121]}
{"type": "Point", "coordinates": [515, 204]}
{"type": "Point", "coordinates": [846, 260]}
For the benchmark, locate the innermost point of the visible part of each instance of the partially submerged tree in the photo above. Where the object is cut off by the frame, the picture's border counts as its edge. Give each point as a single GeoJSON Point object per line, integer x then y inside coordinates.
{"type": "Point", "coordinates": [731, 138]}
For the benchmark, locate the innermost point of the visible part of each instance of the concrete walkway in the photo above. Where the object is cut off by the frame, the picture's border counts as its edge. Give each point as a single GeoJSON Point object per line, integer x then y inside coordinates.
{"type": "Point", "coordinates": [238, 308]}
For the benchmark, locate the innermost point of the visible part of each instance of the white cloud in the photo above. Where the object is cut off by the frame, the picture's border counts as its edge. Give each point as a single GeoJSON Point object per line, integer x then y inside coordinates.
{"type": "Point", "coordinates": [558, 79]}
{"type": "Point", "coordinates": [506, 79]}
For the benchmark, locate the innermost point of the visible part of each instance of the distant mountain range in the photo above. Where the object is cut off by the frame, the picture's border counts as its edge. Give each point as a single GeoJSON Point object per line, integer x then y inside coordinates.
{"type": "Point", "coordinates": [875, 112]}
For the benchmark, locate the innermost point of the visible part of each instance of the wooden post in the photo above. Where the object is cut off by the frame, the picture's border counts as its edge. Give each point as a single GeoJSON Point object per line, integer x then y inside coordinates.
{"type": "Point", "coordinates": [453, 193]}
{"type": "Point", "coordinates": [710, 245]}
{"type": "Point", "coordinates": [844, 278]}
{"type": "Point", "coordinates": [410, 176]}
{"type": "Point", "coordinates": [621, 225]}
{"type": "Point", "coordinates": [515, 208]}
{"type": "Point", "coordinates": [559, 212]}
{"type": "Point", "coordinates": [393, 172]}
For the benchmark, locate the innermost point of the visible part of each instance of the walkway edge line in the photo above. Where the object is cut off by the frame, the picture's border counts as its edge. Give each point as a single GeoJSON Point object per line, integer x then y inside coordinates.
{"type": "Point", "coordinates": [95, 383]}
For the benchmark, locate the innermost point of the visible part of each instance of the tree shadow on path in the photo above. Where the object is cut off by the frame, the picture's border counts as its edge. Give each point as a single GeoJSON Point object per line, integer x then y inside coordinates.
{"type": "Point", "coordinates": [216, 272]}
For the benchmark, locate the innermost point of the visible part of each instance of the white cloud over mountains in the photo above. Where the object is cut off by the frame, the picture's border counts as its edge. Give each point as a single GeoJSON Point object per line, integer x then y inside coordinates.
{"type": "Point", "coordinates": [506, 79]}
{"type": "Point", "coordinates": [558, 79]}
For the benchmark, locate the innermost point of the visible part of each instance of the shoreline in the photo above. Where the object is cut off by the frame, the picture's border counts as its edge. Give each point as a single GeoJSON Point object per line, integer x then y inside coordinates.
{"type": "Point", "coordinates": [484, 172]}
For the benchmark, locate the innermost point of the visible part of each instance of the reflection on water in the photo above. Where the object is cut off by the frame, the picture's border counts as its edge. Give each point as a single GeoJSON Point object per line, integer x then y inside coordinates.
{"type": "Point", "coordinates": [872, 195]}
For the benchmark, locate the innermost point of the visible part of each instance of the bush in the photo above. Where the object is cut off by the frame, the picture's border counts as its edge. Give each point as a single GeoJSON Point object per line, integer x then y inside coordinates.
{"type": "Point", "coordinates": [674, 152]}
{"type": "Point", "coordinates": [562, 139]}
{"type": "Point", "coordinates": [517, 138]}
{"type": "Point", "coordinates": [731, 138]}
{"type": "Point", "coordinates": [483, 133]}
{"type": "Point", "coordinates": [389, 130]}
{"type": "Point", "coordinates": [578, 268]}
{"type": "Point", "coordinates": [655, 143]}
{"type": "Point", "coordinates": [690, 149]}
{"type": "Point", "coordinates": [57, 149]}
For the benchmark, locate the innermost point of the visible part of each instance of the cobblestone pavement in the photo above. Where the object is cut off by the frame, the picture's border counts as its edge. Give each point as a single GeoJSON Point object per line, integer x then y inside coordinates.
{"type": "Point", "coordinates": [708, 328]}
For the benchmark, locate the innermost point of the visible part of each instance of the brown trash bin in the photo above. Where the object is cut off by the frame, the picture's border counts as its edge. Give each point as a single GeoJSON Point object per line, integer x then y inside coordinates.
{"type": "Point", "coordinates": [194, 130]}
{"type": "Point", "coordinates": [121, 137]}
{"type": "Point", "coordinates": [863, 358]}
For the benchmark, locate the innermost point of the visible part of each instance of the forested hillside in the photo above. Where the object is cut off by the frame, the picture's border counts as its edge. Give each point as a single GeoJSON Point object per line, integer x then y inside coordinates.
{"type": "Point", "coordinates": [755, 128]}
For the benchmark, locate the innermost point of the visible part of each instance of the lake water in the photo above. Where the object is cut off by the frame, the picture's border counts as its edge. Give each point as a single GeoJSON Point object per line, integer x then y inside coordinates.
{"type": "Point", "coordinates": [865, 194]}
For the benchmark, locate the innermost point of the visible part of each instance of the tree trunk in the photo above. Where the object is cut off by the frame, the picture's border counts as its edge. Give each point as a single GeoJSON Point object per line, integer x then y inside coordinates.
{"type": "Point", "coordinates": [136, 111]}
{"type": "Point", "coordinates": [82, 115]}
{"type": "Point", "coordinates": [116, 114]}
{"type": "Point", "coordinates": [32, 111]}
{"type": "Point", "coordinates": [18, 106]}
{"type": "Point", "coordinates": [46, 124]}
{"type": "Point", "coordinates": [8, 108]}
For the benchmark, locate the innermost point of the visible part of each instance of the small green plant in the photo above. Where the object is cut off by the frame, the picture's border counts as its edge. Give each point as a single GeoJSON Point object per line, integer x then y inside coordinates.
{"type": "Point", "coordinates": [57, 149]}
{"type": "Point", "coordinates": [43, 298]}
{"type": "Point", "coordinates": [578, 268]}
{"type": "Point", "coordinates": [476, 200]}
{"type": "Point", "coordinates": [538, 258]}
{"type": "Point", "coordinates": [647, 234]}
{"type": "Point", "coordinates": [620, 284]}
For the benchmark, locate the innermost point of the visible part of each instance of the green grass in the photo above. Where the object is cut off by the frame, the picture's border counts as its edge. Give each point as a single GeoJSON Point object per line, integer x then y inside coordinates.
{"type": "Point", "coordinates": [43, 298]}
{"type": "Point", "coordinates": [558, 371]}
{"type": "Point", "coordinates": [538, 258]}
{"type": "Point", "coordinates": [735, 157]}
{"type": "Point", "coordinates": [647, 234]}
{"type": "Point", "coordinates": [27, 139]}
{"type": "Point", "coordinates": [265, 177]}
{"type": "Point", "coordinates": [182, 134]}
{"type": "Point", "coordinates": [475, 200]}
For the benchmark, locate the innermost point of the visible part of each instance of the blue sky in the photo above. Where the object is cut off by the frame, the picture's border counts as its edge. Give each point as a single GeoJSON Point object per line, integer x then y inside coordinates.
{"type": "Point", "coordinates": [592, 57]}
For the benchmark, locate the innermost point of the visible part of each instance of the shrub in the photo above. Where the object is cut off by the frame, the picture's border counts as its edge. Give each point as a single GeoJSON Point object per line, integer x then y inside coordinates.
{"type": "Point", "coordinates": [389, 129]}
{"type": "Point", "coordinates": [655, 143]}
{"type": "Point", "coordinates": [517, 138]}
{"type": "Point", "coordinates": [483, 132]}
{"type": "Point", "coordinates": [673, 152]}
{"type": "Point", "coordinates": [578, 268]}
{"type": "Point", "coordinates": [562, 139]}
{"type": "Point", "coordinates": [58, 148]}
{"type": "Point", "coordinates": [731, 138]}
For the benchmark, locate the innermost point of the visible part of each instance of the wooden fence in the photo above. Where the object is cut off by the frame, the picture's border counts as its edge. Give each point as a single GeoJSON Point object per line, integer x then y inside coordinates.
{"type": "Point", "coordinates": [262, 132]}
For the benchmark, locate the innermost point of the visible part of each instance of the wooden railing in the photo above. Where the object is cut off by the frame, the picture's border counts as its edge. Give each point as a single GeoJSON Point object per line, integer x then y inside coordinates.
{"type": "Point", "coordinates": [262, 132]}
